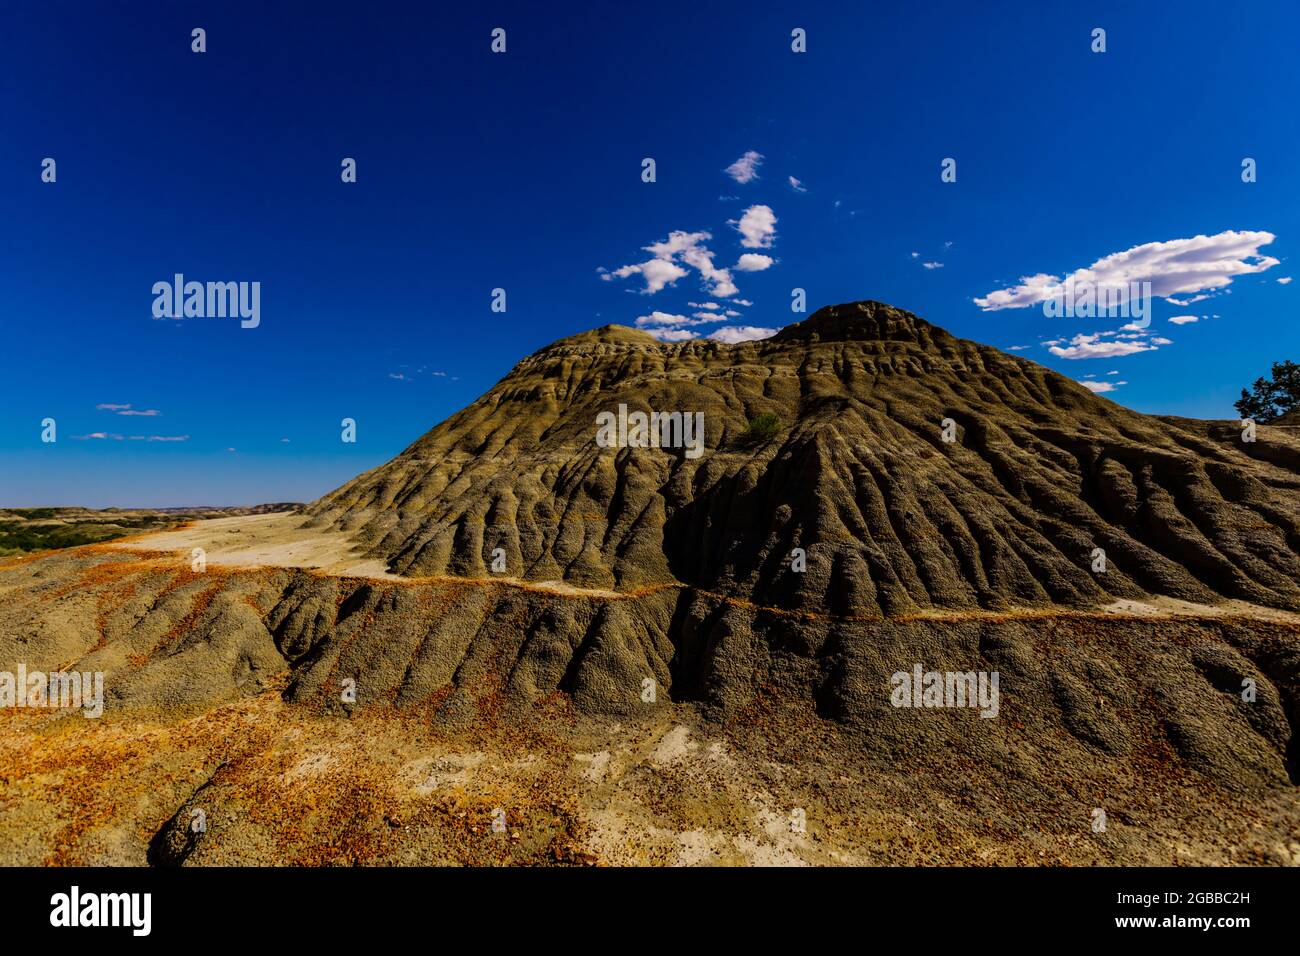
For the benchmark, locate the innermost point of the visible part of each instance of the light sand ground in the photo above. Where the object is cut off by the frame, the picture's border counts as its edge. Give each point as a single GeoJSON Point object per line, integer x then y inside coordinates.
{"type": "Point", "coordinates": [281, 541]}
{"type": "Point", "coordinates": [274, 540]}
{"type": "Point", "coordinates": [282, 784]}
{"type": "Point", "coordinates": [1173, 607]}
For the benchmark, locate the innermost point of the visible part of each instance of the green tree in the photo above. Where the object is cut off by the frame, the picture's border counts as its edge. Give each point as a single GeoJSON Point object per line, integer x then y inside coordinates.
{"type": "Point", "coordinates": [1269, 399]}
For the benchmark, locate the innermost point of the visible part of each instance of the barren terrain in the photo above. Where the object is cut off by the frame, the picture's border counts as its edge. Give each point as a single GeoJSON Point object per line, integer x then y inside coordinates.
{"type": "Point", "coordinates": [651, 679]}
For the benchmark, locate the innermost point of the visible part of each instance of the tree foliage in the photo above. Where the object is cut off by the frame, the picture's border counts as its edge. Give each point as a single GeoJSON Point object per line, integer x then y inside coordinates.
{"type": "Point", "coordinates": [1270, 399]}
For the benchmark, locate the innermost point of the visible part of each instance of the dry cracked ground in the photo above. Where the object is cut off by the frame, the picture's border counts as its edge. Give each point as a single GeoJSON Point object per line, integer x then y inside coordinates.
{"type": "Point", "coordinates": [511, 646]}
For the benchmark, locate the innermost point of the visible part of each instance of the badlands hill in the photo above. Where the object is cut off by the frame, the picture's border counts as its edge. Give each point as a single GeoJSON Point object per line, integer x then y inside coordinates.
{"type": "Point", "coordinates": [894, 519]}
{"type": "Point", "coordinates": [505, 571]}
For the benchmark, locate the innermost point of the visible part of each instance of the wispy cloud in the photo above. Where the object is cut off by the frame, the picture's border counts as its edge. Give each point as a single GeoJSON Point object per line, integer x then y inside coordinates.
{"type": "Point", "coordinates": [1114, 344]}
{"type": "Point", "coordinates": [745, 169]}
{"type": "Point", "coordinates": [728, 334]}
{"type": "Point", "coordinates": [1101, 388]}
{"type": "Point", "coordinates": [671, 335]}
{"type": "Point", "coordinates": [671, 256]}
{"type": "Point", "coordinates": [113, 436]}
{"type": "Point", "coordinates": [1184, 319]}
{"type": "Point", "coordinates": [797, 185]}
{"type": "Point", "coordinates": [673, 320]}
{"type": "Point", "coordinates": [1201, 264]}
{"type": "Point", "coordinates": [127, 410]}
{"type": "Point", "coordinates": [732, 334]}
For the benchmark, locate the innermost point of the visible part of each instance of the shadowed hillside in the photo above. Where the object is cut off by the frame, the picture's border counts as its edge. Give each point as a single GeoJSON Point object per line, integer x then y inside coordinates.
{"type": "Point", "coordinates": [894, 519]}
{"type": "Point", "coordinates": [646, 591]}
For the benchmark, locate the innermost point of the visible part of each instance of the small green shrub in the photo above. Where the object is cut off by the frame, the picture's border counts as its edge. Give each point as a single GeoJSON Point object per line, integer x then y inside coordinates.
{"type": "Point", "coordinates": [762, 427]}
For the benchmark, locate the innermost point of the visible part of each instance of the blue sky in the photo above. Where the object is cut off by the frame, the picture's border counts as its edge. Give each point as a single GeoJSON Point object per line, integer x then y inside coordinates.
{"type": "Point", "coordinates": [523, 171]}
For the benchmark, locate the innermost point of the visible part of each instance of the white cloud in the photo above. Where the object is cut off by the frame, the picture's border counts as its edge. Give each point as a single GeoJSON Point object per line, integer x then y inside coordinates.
{"type": "Point", "coordinates": [671, 335]}
{"type": "Point", "coordinates": [1017, 348]}
{"type": "Point", "coordinates": [797, 186]}
{"type": "Point", "coordinates": [732, 334]}
{"type": "Point", "coordinates": [744, 302]}
{"type": "Point", "coordinates": [656, 272]}
{"type": "Point", "coordinates": [128, 410]}
{"type": "Point", "coordinates": [704, 305]}
{"type": "Point", "coordinates": [757, 227]}
{"type": "Point", "coordinates": [1179, 266]}
{"type": "Point", "coordinates": [1102, 387]}
{"type": "Point", "coordinates": [719, 280]}
{"type": "Point", "coordinates": [754, 262]}
{"type": "Point", "coordinates": [745, 169]}
{"type": "Point", "coordinates": [666, 267]}
{"type": "Point", "coordinates": [678, 241]}
{"type": "Point", "coordinates": [1285, 280]}
{"type": "Point", "coordinates": [1194, 299]}
{"type": "Point", "coordinates": [1093, 346]}
{"type": "Point", "coordinates": [933, 265]}
{"type": "Point", "coordinates": [662, 318]}
{"type": "Point", "coordinates": [1183, 319]}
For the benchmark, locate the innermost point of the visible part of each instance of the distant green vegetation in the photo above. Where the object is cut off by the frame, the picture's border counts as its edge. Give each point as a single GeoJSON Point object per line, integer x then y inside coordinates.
{"type": "Point", "coordinates": [762, 427]}
{"type": "Point", "coordinates": [36, 534]}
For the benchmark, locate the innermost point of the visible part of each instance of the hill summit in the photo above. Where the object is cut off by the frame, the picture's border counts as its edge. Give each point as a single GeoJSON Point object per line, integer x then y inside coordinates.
{"type": "Point", "coordinates": [913, 471]}
{"type": "Point", "coordinates": [1103, 601]}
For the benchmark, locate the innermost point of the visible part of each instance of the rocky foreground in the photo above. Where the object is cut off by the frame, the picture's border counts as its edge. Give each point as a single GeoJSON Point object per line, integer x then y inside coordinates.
{"type": "Point", "coordinates": [512, 645]}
